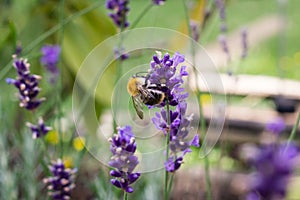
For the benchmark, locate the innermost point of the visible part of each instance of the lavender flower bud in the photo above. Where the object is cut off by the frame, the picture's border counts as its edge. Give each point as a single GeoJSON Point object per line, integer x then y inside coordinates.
{"type": "Point", "coordinates": [158, 2]}
{"type": "Point", "coordinates": [18, 50]}
{"type": "Point", "coordinates": [38, 130]}
{"type": "Point", "coordinates": [120, 55]}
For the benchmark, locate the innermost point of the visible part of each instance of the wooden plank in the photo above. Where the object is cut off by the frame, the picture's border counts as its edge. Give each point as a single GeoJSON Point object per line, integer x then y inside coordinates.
{"type": "Point", "coordinates": [245, 124]}
{"type": "Point", "coordinates": [253, 85]}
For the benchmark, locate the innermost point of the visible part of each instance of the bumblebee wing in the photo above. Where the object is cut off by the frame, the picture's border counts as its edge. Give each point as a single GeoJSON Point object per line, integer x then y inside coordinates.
{"type": "Point", "coordinates": [138, 106]}
{"type": "Point", "coordinates": [145, 93]}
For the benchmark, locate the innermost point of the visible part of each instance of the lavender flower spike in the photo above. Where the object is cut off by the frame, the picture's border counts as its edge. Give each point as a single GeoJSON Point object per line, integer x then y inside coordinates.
{"type": "Point", "coordinates": [27, 84]}
{"type": "Point", "coordinates": [61, 183]}
{"type": "Point", "coordinates": [119, 13]}
{"type": "Point", "coordinates": [123, 161]}
{"type": "Point", "coordinates": [163, 72]}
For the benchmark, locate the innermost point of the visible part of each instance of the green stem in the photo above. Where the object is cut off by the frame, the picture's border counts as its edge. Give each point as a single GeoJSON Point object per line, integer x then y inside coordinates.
{"type": "Point", "coordinates": [207, 178]}
{"type": "Point", "coordinates": [119, 65]}
{"type": "Point", "coordinates": [171, 183]}
{"type": "Point", "coordinates": [167, 151]}
{"type": "Point", "coordinates": [141, 15]}
{"type": "Point", "coordinates": [125, 197]}
{"type": "Point", "coordinates": [60, 80]}
{"type": "Point", "coordinates": [138, 19]}
{"type": "Point", "coordinates": [202, 119]}
{"type": "Point", "coordinates": [294, 131]}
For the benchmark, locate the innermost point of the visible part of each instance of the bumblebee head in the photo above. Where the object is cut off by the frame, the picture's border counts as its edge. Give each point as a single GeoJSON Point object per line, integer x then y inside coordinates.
{"type": "Point", "coordinates": [136, 80]}
{"type": "Point", "coordinates": [132, 86]}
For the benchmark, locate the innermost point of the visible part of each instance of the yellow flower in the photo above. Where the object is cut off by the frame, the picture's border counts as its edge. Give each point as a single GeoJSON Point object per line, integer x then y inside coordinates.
{"type": "Point", "coordinates": [205, 99]}
{"type": "Point", "coordinates": [78, 143]}
{"type": "Point", "coordinates": [52, 137]}
{"type": "Point", "coordinates": [68, 162]}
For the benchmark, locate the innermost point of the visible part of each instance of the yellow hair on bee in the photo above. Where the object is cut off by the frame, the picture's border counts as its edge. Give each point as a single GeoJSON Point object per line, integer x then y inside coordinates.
{"type": "Point", "coordinates": [132, 86]}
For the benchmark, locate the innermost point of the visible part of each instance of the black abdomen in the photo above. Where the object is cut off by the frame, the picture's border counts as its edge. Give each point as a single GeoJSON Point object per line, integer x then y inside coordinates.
{"type": "Point", "coordinates": [156, 97]}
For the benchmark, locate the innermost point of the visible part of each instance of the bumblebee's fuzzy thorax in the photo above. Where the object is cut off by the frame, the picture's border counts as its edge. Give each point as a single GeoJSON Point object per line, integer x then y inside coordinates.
{"type": "Point", "coordinates": [132, 86]}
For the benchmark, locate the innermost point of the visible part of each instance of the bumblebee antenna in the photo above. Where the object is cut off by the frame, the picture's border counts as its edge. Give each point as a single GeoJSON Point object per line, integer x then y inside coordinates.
{"type": "Point", "coordinates": [142, 74]}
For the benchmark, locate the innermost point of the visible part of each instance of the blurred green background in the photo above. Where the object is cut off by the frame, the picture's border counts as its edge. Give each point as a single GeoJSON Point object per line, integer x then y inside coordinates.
{"type": "Point", "coordinates": [33, 23]}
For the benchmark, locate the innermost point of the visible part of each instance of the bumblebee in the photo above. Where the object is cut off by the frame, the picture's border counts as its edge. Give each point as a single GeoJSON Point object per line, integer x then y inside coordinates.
{"type": "Point", "coordinates": [143, 93]}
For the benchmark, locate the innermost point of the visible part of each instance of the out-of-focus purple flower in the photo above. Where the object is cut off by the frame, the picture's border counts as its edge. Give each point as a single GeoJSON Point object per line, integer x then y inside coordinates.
{"type": "Point", "coordinates": [120, 55]}
{"type": "Point", "coordinates": [223, 43]}
{"type": "Point", "coordinates": [244, 35]}
{"type": "Point", "coordinates": [119, 13]}
{"type": "Point", "coordinates": [195, 30]}
{"type": "Point", "coordinates": [38, 130]}
{"type": "Point", "coordinates": [274, 164]}
{"type": "Point", "coordinates": [124, 161]}
{"type": "Point", "coordinates": [61, 183]}
{"type": "Point", "coordinates": [50, 58]}
{"type": "Point", "coordinates": [18, 50]}
{"type": "Point", "coordinates": [276, 126]}
{"type": "Point", "coordinates": [159, 2]}
{"type": "Point", "coordinates": [221, 8]}
{"type": "Point", "coordinates": [50, 55]}
{"type": "Point", "coordinates": [163, 73]}
{"type": "Point", "coordinates": [27, 84]}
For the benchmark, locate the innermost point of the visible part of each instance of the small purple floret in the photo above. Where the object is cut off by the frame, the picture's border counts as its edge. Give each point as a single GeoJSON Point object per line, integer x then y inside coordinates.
{"type": "Point", "coordinates": [38, 130]}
